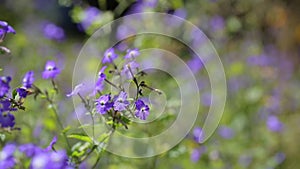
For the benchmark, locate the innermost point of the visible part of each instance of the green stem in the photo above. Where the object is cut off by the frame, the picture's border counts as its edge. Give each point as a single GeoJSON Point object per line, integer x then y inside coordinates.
{"type": "Point", "coordinates": [57, 118]}
{"type": "Point", "coordinates": [88, 108]}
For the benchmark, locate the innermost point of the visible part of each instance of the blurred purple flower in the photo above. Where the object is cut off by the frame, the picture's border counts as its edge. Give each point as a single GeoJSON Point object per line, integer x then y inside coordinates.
{"type": "Point", "coordinates": [130, 67]}
{"type": "Point", "coordinates": [196, 153]}
{"type": "Point", "coordinates": [195, 64]}
{"type": "Point", "coordinates": [109, 56]}
{"type": "Point", "coordinates": [51, 71]}
{"type": "Point", "coordinates": [125, 31]}
{"type": "Point", "coordinates": [7, 159]}
{"type": "Point", "coordinates": [28, 79]}
{"type": "Point", "coordinates": [197, 134]}
{"type": "Point", "coordinates": [6, 106]}
{"type": "Point", "coordinates": [142, 6]}
{"type": "Point", "coordinates": [121, 102]}
{"type": "Point", "coordinates": [103, 104]}
{"type": "Point", "coordinates": [53, 32]}
{"type": "Point", "coordinates": [142, 110]}
{"type": "Point", "coordinates": [7, 120]}
{"type": "Point", "coordinates": [90, 15]}
{"type": "Point", "coordinates": [29, 149]}
{"type": "Point", "coordinates": [260, 60]}
{"type": "Point", "coordinates": [280, 157]}
{"type": "Point", "coordinates": [76, 90]}
{"type": "Point", "coordinates": [50, 160]}
{"type": "Point", "coordinates": [217, 23]}
{"type": "Point", "coordinates": [274, 124]}
{"type": "Point", "coordinates": [132, 53]}
{"type": "Point", "coordinates": [4, 85]}
{"type": "Point", "coordinates": [180, 13]}
{"type": "Point", "coordinates": [149, 3]}
{"type": "Point", "coordinates": [226, 132]}
{"type": "Point", "coordinates": [206, 99]}
{"type": "Point", "coordinates": [5, 28]}
{"type": "Point", "coordinates": [198, 38]}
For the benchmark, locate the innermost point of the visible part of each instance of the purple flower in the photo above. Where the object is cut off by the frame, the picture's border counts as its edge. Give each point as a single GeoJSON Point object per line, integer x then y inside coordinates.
{"type": "Point", "coordinates": [51, 71]}
{"type": "Point", "coordinates": [142, 110]}
{"type": "Point", "coordinates": [197, 134]}
{"type": "Point", "coordinates": [50, 160]}
{"type": "Point", "coordinates": [101, 78]}
{"type": "Point", "coordinates": [7, 120]}
{"type": "Point", "coordinates": [76, 90]}
{"type": "Point", "coordinates": [52, 143]}
{"type": "Point", "coordinates": [109, 56]}
{"type": "Point", "coordinates": [124, 31]}
{"type": "Point", "coordinates": [260, 60]}
{"type": "Point", "coordinates": [22, 92]}
{"type": "Point", "coordinates": [90, 15]}
{"type": "Point", "coordinates": [5, 106]}
{"type": "Point", "coordinates": [196, 154]}
{"type": "Point", "coordinates": [130, 68]}
{"type": "Point", "coordinates": [226, 132]}
{"type": "Point", "coordinates": [54, 32]}
{"type": "Point", "coordinates": [28, 79]}
{"type": "Point", "coordinates": [195, 64]}
{"type": "Point", "coordinates": [180, 13]}
{"type": "Point", "coordinates": [280, 157]}
{"type": "Point", "coordinates": [29, 149]}
{"type": "Point", "coordinates": [132, 53]}
{"type": "Point", "coordinates": [4, 85]}
{"type": "Point", "coordinates": [103, 104]}
{"type": "Point", "coordinates": [121, 102]}
{"type": "Point", "coordinates": [274, 124]}
{"type": "Point", "coordinates": [5, 28]}
{"type": "Point", "coordinates": [7, 159]}
{"type": "Point", "coordinates": [149, 3]}
{"type": "Point", "coordinates": [217, 23]}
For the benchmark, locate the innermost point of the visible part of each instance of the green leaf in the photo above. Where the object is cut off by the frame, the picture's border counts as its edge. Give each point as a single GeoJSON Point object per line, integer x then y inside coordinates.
{"type": "Point", "coordinates": [14, 93]}
{"type": "Point", "coordinates": [81, 137]}
{"type": "Point", "coordinates": [66, 129]}
{"type": "Point", "coordinates": [103, 137]}
{"type": "Point", "coordinates": [77, 153]}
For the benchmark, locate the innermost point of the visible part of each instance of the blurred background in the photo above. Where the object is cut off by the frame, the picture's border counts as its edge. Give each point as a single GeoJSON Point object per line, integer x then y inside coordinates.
{"type": "Point", "coordinates": [258, 42]}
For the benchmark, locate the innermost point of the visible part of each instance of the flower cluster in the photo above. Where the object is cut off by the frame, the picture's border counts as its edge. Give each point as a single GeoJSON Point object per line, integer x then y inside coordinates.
{"type": "Point", "coordinates": [119, 107]}
{"type": "Point", "coordinates": [120, 102]}
{"type": "Point", "coordinates": [10, 102]}
{"type": "Point", "coordinates": [40, 158]}
{"type": "Point", "coordinates": [5, 28]}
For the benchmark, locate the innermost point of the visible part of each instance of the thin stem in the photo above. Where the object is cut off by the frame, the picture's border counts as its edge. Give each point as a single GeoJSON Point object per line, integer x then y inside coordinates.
{"type": "Point", "coordinates": [97, 161]}
{"type": "Point", "coordinates": [95, 147]}
{"type": "Point", "coordinates": [2, 37]}
{"type": "Point", "coordinates": [57, 118]}
{"type": "Point", "coordinates": [132, 114]}
{"type": "Point", "coordinates": [115, 86]}
{"type": "Point", "coordinates": [102, 150]}
{"type": "Point", "coordinates": [54, 85]}
{"type": "Point", "coordinates": [135, 82]}
{"type": "Point", "coordinates": [151, 88]}
{"type": "Point", "coordinates": [88, 108]}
